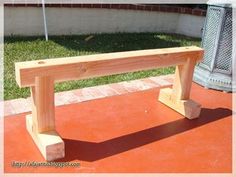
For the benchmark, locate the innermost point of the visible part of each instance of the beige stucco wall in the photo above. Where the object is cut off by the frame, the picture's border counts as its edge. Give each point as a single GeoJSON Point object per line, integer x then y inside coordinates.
{"type": "Point", "coordinates": [63, 21]}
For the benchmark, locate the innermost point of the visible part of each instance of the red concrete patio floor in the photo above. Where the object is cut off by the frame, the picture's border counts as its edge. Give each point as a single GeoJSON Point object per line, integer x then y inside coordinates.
{"type": "Point", "coordinates": [132, 133]}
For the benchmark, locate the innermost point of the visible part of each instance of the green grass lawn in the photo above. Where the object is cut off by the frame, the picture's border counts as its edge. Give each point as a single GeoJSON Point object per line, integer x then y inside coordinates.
{"type": "Point", "coordinates": [32, 48]}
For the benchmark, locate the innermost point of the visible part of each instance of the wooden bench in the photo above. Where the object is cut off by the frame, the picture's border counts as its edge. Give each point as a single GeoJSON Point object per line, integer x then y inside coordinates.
{"type": "Point", "coordinates": [40, 76]}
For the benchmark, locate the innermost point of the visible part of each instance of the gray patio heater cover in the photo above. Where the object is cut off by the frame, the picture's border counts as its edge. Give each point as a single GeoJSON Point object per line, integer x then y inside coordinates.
{"type": "Point", "coordinates": [215, 71]}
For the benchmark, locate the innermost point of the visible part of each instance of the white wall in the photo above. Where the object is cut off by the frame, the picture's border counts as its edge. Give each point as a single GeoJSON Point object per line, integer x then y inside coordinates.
{"type": "Point", "coordinates": [62, 21]}
{"type": "Point", "coordinates": [190, 25]}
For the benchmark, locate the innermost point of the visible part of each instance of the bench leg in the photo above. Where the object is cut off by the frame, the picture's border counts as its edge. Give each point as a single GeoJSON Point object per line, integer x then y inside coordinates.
{"type": "Point", "coordinates": [41, 123]}
{"type": "Point", "coordinates": [177, 98]}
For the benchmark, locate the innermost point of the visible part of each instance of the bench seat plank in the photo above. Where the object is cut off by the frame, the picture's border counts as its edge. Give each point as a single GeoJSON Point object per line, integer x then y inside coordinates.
{"type": "Point", "coordinates": [82, 67]}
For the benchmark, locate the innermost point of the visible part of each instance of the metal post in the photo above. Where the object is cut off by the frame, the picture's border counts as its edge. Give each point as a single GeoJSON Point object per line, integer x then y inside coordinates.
{"type": "Point", "coordinates": [45, 21]}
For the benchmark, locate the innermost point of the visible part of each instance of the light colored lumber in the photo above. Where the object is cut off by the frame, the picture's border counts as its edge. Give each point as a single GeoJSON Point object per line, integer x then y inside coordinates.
{"type": "Point", "coordinates": [178, 97]}
{"type": "Point", "coordinates": [49, 143]}
{"type": "Point", "coordinates": [41, 124]}
{"type": "Point", "coordinates": [183, 80]}
{"type": "Point", "coordinates": [41, 75]}
{"type": "Point", "coordinates": [189, 108]}
{"type": "Point", "coordinates": [43, 108]}
{"type": "Point", "coordinates": [73, 68]}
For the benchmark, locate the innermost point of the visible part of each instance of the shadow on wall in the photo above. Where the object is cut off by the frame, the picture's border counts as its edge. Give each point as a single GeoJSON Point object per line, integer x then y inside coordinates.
{"type": "Point", "coordinates": [91, 151]}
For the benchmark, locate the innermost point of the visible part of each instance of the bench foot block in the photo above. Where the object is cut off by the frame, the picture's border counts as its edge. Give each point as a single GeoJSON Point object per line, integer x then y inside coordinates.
{"type": "Point", "coordinates": [49, 143]}
{"type": "Point", "coordinates": [188, 108]}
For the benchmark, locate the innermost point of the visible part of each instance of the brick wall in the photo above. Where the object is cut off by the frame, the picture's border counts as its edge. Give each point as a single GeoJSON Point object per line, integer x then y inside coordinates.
{"type": "Point", "coordinates": [143, 7]}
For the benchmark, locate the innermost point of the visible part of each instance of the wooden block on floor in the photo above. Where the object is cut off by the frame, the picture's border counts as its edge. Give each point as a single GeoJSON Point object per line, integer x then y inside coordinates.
{"type": "Point", "coordinates": [189, 108]}
{"type": "Point", "coordinates": [49, 143]}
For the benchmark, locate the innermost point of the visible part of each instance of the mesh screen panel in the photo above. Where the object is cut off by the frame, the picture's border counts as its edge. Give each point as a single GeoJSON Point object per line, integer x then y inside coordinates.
{"type": "Point", "coordinates": [224, 55]}
{"type": "Point", "coordinates": [215, 71]}
{"type": "Point", "coordinates": [210, 33]}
